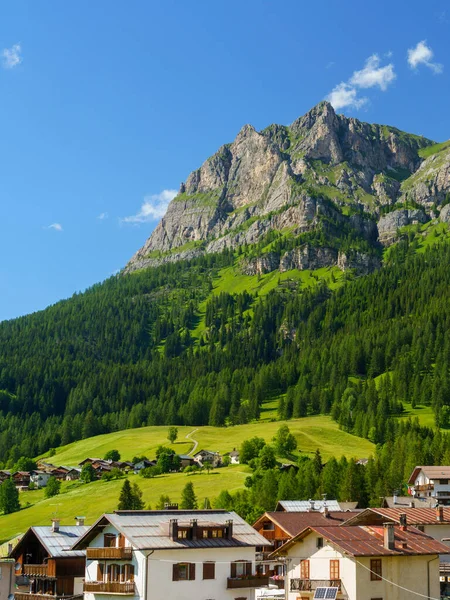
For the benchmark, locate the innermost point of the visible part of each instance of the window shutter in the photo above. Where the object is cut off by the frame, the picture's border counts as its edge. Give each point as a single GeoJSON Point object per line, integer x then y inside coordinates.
{"type": "Point", "coordinates": [233, 570]}
{"type": "Point", "coordinates": [175, 572]}
{"type": "Point", "coordinates": [209, 570]}
{"type": "Point", "coordinates": [248, 568]}
{"type": "Point", "coordinates": [100, 571]}
{"type": "Point", "coordinates": [131, 572]}
{"type": "Point", "coordinates": [191, 571]}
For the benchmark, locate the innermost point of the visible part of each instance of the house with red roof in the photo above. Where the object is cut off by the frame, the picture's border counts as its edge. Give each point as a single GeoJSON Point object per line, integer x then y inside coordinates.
{"type": "Point", "coordinates": [361, 562]}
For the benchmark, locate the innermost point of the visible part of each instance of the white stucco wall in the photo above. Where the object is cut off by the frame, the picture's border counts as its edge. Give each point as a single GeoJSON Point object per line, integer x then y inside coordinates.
{"type": "Point", "coordinates": [408, 572]}
{"type": "Point", "coordinates": [160, 571]}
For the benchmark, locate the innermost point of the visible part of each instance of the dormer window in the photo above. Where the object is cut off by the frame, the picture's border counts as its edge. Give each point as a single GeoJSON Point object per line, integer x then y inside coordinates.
{"type": "Point", "coordinates": [182, 534]}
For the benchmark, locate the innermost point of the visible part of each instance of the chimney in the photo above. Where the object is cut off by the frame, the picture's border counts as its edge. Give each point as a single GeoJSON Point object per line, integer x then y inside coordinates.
{"type": "Point", "coordinates": [326, 512]}
{"type": "Point", "coordinates": [412, 504]}
{"type": "Point", "coordinates": [395, 499]}
{"type": "Point", "coordinates": [194, 528]}
{"type": "Point", "coordinates": [229, 529]}
{"type": "Point", "coordinates": [311, 504]}
{"type": "Point", "coordinates": [389, 536]}
{"type": "Point", "coordinates": [439, 513]}
{"type": "Point", "coordinates": [79, 520]}
{"type": "Point", "coordinates": [403, 521]}
{"type": "Point", "coordinates": [55, 525]}
{"type": "Point", "coordinates": [173, 529]}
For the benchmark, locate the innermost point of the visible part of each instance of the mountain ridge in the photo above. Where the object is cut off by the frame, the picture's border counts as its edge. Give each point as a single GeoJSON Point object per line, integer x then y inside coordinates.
{"type": "Point", "coordinates": [291, 179]}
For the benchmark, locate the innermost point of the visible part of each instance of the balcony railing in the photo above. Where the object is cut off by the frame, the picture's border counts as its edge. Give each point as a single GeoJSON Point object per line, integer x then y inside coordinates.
{"type": "Point", "coordinates": [310, 585]}
{"type": "Point", "coordinates": [234, 583]}
{"type": "Point", "coordinates": [30, 596]}
{"type": "Point", "coordinates": [111, 587]}
{"type": "Point", "coordinates": [35, 570]}
{"type": "Point", "coordinates": [277, 582]}
{"type": "Point", "coordinates": [109, 553]}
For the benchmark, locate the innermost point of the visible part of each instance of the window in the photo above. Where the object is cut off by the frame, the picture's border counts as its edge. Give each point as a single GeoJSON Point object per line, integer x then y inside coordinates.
{"type": "Point", "coordinates": [128, 572]}
{"type": "Point", "coordinates": [109, 540]}
{"type": "Point", "coordinates": [420, 527]}
{"type": "Point", "coordinates": [217, 533]}
{"type": "Point", "coordinates": [334, 570]}
{"type": "Point", "coordinates": [268, 526]}
{"type": "Point", "coordinates": [375, 569]}
{"type": "Point", "coordinates": [240, 568]}
{"type": "Point", "coordinates": [113, 573]}
{"type": "Point", "coordinates": [304, 569]}
{"type": "Point", "coordinates": [209, 570]}
{"type": "Point", "coordinates": [183, 572]}
{"type": "Point", "coordinates": [319, 542]}
{"type": "Point", "coordinates": [182, 534]}
{"type": "Point", "coordinates": [443, 481]}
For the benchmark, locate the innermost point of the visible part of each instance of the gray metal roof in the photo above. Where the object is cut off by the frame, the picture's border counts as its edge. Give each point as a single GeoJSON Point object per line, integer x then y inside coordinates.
{"type": "Point", "coordinates": [147, 530]}
{"type": "Point", "coordinates": [59, 543]}
{"type": "Point", "coordinates": [305, 505]}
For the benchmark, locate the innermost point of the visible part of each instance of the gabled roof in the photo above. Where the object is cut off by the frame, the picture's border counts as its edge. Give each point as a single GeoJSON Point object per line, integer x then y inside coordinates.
{"type": "Point", "coordinates": [414, 516]}
{"type": "Point", "coordinates": [147, 530]}
{"type": "Point", "coordinates": [206, 452]}
{"type": "Point", "coordinates": [406, 501]}
{"type": "Point", "coordinates": [294, 522]}
{"type": "Point", "coordinates": [432, 472]}
{"type": "Point", "coordinates": [369, 541]}
{"type": "Point", "coordinates": [58, 544]}
{"type": "Point", "coordinates": [305, 505]}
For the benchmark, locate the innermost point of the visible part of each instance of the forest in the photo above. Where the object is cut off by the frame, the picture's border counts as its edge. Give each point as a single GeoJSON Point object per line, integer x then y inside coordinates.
{"type": "Point", "coordinates": [123, 353]}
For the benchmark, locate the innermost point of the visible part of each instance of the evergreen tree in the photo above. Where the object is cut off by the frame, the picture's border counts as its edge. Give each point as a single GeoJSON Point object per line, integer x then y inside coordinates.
{"type": "Point", "coordinates": [188, 497]}
{"type": "Point", "coordinates": [126, 498]}
{"type": "Point", "coordinates": [9, 497]}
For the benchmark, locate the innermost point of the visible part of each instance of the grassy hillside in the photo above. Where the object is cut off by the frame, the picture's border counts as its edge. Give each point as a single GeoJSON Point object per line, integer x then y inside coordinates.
{"type": "Point", "coordinates": [311, 433]}
{"type": "Point", "coordinates": [92, 499]}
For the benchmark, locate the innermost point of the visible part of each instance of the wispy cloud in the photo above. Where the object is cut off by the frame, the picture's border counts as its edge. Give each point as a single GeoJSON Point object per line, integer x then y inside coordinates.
{"type": "Point", "coordinates": [373, 75]}
{"type": "Point", "coordinates": [55, 227]}
{"type": "Point", "coordinates": [102, 216]}
{"type": "Point", "coordinates": [330, 64]}
{"type": "Point", "coordinates": [154, 207]}
{"type": "Point", "coordinates": [345, 94]}
{"type": "Point", "coordinates": [11, 57]}
{"type": "Point", "coordinates": [422, 54]}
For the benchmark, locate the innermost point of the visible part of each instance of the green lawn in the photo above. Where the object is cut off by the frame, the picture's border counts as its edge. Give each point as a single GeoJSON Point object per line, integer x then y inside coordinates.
{"type": "Point", "coordinates": [91, 500]}
{"type": "Point", "coordinates": [424, 413]}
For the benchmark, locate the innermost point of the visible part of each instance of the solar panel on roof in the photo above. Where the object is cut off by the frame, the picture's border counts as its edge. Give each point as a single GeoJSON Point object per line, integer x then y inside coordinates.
{"type": "Point", "coordinates": [325, 593]}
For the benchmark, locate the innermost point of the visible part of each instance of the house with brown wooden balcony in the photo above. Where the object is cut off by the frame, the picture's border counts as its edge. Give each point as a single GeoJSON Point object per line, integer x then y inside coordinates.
{"type": "Point", "coordinates": [47, 566]}
{"type": "Point", "coordinates": [171, 554]}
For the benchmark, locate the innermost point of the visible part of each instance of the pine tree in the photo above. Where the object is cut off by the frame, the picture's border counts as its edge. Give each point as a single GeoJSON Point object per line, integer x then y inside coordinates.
{"type": "Point", "coordinates": [126, 498]}
{"type": "Point", "coordinates": [188, 497]}
{"type": "Point", "coordinates": [9, 497]}
{"type": "Point", "coordinates": [137, 501]}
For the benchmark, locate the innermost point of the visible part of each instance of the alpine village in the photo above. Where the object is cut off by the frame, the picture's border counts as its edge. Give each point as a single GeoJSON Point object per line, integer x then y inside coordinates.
{"type": "Point", "coordinates": [256, 406]}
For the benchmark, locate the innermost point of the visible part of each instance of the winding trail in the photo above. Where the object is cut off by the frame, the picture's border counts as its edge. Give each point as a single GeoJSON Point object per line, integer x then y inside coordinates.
{"type": "Point", "coordinates": [188, 437]}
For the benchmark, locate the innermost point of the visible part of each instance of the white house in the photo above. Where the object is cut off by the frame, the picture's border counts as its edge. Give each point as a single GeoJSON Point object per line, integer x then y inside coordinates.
{"type": "Point", "coordinates": [171, 554]}
{"type": "Point", "coordinates": [203, 456]}
{"type": "Point", "coordinates": [361, 563]}
{"type": "Point", "coordinates": [431, 482]}
{"type": "Point", "coordinates": [234, 457]}
{"type": "Point", "coordinates": [39, 478]}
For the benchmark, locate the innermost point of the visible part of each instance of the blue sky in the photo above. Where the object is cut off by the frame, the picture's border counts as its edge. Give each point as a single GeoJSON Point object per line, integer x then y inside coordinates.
{"type": "Point", "coordinates": [108, 105]}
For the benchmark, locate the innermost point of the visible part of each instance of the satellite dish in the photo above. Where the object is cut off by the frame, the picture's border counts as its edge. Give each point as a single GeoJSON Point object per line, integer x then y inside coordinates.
{"type": "Point", "coordinates": [17, 567]}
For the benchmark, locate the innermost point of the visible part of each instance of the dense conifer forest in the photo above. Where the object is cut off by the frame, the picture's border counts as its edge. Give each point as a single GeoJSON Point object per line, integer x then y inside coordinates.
{"type": "Point", "coordinates": [124, 354]}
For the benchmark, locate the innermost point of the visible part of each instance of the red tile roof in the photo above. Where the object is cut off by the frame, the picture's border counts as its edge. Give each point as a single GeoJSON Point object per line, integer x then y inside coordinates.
{"type": "Point", "coordinates": [414, 516]}
{"type": "Point", "coordinates": [294, 522]}
{"type": "Point", "coordinates": [369, 541]}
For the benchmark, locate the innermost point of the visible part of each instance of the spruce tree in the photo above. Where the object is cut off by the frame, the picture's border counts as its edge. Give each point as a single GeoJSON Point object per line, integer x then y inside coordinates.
{"type": "Point", "coordinates": [126, 498]}
{"type": "Point", "coordinates": [188, 497]}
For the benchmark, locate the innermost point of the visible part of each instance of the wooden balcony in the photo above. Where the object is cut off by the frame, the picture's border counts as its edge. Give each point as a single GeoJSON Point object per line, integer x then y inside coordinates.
{"type": "Point", "coordinates": [310, 585]}
{"type": "Point", "coordinates": [35, 570]}
{"type": "Point", "coordinates": [109, 553]}
{"type": "Point", "coordinates": [111, 587]}
{"type": "Point", "coordinates": [29, 596]}
{"type": "Point", "coordinates": [234, 583]}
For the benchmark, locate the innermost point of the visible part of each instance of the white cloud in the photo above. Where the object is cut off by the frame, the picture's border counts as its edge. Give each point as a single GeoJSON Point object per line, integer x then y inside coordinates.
{"type": "Point", "coordinates": [55, 226]}
{"type": "Point", "coordinates": [423, 55]}
{"type": "Point", "coordinates": [11, 56]}
{"type": "Point", "coordinates": [373, 75]}
{"type": "Point", "coordinates": [330, 64]}
{"type": "Point", "coordinates": [154, 207]}
{"type": "Point", "coordinates": [344, 95]}
{"type": "Point", "coordinates": [102, 216]}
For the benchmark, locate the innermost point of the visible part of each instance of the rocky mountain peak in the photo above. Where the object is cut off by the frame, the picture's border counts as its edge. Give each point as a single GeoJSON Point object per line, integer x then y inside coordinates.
{"type": "Point", "coordinates": [324, 168]}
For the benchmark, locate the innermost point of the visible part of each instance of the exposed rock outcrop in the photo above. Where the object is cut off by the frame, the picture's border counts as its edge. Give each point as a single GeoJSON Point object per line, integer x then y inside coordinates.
{"type": "Point", "coordinates": [389, 224]}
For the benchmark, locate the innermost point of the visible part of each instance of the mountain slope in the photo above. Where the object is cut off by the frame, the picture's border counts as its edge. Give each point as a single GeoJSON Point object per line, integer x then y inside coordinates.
{"type": "Point", "coordinates": [324, 170]}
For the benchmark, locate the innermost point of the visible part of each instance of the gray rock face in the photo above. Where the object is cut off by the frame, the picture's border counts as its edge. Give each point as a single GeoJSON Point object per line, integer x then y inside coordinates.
{"type": "Point", "coordinates": [431, 182]}
{"type": "Point", "coordinates": [390, 223]}
{"type": "Point", "coordinates": [293, 178]}
{"type": "Point", "coordinates": [444, 215]}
